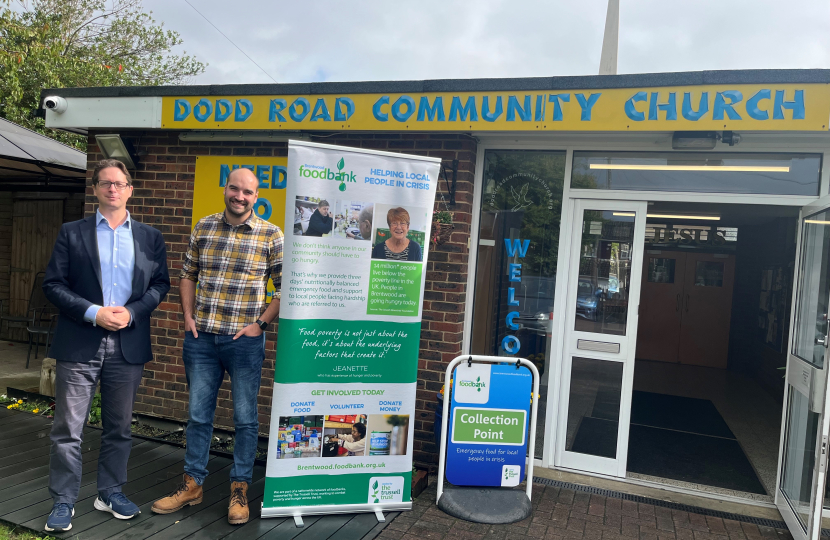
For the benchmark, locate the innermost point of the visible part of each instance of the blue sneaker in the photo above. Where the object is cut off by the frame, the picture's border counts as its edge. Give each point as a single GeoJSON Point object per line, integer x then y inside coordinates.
{"type": "Point", "coordinates": [118, 505]}
{"type": "Point", "coordinates": [60, 519]}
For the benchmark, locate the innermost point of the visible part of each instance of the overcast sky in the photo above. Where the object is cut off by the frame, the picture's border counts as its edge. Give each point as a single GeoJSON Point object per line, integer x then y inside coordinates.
{"type": "Point", "coordinates": [315, 41]}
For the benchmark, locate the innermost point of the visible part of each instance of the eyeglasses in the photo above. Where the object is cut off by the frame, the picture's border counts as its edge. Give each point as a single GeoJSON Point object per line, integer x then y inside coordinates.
{"type": "Point", "coordinates": [399, 223]}
{"type": "Point", "coordinates": [120, 186]}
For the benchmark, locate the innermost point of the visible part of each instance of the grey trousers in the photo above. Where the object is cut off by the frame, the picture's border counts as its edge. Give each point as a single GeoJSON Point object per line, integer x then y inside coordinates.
{"type": "Point", "coordinates": [75, 386]}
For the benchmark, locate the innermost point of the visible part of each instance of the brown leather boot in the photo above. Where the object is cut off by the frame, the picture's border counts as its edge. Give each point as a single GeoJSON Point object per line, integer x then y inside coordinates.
{"type": "Point", "coordinates": [187, 493]}
{"type": "Point", "coordinates": [238, 505]}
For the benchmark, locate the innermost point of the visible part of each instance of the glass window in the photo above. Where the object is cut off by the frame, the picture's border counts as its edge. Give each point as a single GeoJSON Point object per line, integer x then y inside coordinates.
{"type": "Point", "coordinates": [521, 207]}
{"type": "Point", "coordinates": [773, 174]}
{"type": "Point", "coordinates": [660, 270]}
{"type": "Point", "coordinates": [604, 272]}
{"type": "Point", "coordinates": [799, 455]}
{"type": "Point", "coordinates": [813, 290]}
{"type": "Point", "coordinates": [708, 274]}
{"type": "Point", "coordinates": [594, 407]}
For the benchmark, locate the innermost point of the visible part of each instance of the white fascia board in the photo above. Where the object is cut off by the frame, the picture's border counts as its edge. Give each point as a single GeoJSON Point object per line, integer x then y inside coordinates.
{"type": "Point", "coordinates": [107, 113]}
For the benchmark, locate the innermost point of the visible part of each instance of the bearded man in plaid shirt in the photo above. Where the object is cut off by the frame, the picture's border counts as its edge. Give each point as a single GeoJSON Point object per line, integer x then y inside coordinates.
{"type": "Point", "coordinates": [231, 255]}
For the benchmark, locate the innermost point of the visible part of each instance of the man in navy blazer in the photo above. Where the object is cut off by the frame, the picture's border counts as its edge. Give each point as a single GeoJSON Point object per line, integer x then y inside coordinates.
{"type": "Point", "coordinates": [107, 274]}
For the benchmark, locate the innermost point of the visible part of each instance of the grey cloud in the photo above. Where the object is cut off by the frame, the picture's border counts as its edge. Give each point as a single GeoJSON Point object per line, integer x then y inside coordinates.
{"type": "Point", "coordinates": [374, 40]}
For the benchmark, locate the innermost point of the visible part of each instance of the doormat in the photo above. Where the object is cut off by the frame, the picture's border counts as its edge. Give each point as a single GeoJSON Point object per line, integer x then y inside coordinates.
{"type": "Point", "coordinates": [690, 457]}
{"type": "Point", "coordinates": [678, 413]}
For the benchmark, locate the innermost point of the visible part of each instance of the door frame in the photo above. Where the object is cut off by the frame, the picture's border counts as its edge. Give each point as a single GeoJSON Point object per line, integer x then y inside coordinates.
{"type": "Point", "coordinates": [571, 142]}
{"type": "Point", "coordinates": [819, 476]}
{"type": "Point", "coordinates": [628, 342]}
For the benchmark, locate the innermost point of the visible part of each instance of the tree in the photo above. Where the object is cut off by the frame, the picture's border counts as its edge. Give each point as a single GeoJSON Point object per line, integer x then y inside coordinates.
{"type": "Point", "coordinates": [81, 43]}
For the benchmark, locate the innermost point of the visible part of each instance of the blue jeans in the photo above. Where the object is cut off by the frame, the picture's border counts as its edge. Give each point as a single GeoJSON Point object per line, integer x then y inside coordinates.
{"type": "Point", "coordinates": [206, 359]}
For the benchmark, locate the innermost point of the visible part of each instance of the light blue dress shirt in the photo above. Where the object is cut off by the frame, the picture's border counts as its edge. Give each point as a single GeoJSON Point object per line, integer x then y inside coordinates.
{"type": "Point", "coordinates": [116, 252]}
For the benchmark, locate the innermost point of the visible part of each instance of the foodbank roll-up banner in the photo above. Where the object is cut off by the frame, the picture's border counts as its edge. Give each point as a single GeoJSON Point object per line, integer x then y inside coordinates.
{"type": "Point", "coordinates": [342, 417]}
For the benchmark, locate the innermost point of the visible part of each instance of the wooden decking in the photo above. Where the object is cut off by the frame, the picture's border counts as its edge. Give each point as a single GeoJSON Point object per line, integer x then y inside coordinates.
{"type": "Point", "coordinates": [154, 471]}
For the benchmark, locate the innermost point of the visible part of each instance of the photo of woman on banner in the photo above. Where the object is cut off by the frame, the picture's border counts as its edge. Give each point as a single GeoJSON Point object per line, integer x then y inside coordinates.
{"type": "Point", "coordinates": [355, 443]}
{"type": "Point", "coordinates": [396, 243]}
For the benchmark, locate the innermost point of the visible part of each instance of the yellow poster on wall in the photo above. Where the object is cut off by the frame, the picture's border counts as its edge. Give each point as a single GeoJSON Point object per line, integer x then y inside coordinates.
{"type": "Point", "coordinates": [212, 174]}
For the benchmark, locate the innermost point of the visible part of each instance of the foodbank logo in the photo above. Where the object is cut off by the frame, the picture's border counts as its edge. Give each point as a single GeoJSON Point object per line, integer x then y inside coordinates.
{"type": "Point", "coordinates": [477, 384]}
{"type": "Point", "coordinates": [327, 174]}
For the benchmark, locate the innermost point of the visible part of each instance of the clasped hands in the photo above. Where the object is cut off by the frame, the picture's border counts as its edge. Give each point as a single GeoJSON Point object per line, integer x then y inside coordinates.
{"type": "Point", "coordinates": [112, 317]}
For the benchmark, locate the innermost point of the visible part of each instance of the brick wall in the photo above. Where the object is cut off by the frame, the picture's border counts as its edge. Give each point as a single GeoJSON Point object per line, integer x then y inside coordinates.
{"type": "Point", "coordinates": [163, 198]}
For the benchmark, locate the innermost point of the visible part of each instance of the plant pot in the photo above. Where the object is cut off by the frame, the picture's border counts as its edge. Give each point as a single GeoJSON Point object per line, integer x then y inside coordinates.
{"type": "Point", "coordinates": [420, 481]}
{"type": "Point", "coordinates": [440, 232]}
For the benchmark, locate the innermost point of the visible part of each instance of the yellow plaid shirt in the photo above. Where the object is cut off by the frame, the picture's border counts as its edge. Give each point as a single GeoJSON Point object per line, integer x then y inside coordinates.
{"type": "Point", "coordinates": [232, 264]}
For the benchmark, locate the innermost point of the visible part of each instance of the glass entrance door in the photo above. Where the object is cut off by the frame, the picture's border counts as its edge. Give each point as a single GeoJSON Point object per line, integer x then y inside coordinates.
{"type": "Point", "coordinates": [601, 330]}
{"type": "Point", "coordinates": [803, 456]}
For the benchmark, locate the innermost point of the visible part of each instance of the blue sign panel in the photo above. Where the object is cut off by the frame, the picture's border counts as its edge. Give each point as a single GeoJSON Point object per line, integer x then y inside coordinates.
{"type": "Point", "coordinates": [488, 425]}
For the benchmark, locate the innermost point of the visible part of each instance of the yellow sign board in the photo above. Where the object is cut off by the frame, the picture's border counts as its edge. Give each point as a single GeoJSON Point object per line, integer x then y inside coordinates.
{"type": "Point", "coordinates": [212, 174]}
{"type": "Point", "coordinates": [780, 107]}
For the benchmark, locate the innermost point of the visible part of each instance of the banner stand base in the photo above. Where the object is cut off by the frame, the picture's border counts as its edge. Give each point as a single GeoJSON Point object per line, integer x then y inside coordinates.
{"type": "Point", "coordinates": [297, 512]}
{"type": "Point", "coordinates": [491, 505]}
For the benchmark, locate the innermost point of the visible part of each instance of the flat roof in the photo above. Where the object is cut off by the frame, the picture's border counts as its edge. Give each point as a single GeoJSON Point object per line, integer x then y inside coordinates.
{"type": "Point", "coordinates": [582, 82]}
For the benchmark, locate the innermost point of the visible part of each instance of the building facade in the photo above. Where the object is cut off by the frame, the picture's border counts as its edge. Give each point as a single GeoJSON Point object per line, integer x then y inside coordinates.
{"type": "Point", "coordinates": [670, 231]}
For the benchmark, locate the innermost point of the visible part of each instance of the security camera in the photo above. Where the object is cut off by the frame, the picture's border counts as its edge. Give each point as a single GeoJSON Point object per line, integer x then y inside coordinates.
{"type": "Point", "coordinates": [56, 104]}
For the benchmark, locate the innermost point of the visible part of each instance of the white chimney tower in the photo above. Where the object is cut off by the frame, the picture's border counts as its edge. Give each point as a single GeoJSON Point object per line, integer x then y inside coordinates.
{"type": "Point", "coordinates": [610, 40]}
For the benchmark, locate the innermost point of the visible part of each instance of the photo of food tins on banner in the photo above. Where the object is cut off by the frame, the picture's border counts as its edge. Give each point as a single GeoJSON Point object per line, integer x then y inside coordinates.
{"type": "Point", "coordinates": [342, 424]}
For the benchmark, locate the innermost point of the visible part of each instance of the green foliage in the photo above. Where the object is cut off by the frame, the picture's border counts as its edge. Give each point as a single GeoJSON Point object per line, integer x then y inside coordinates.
{"type": "Point", "coordinates": [34, 407]}
{"type": "Point", "coordinates": [442, 217]}
{"type": "Point", "coordinates": [395, 420]}
{"type": "Point", "coordinates": [14, 533]}
{"type": "Point", "coordinates": [81, 43]}
{"type": "Point", "coordinates": [95, 410]}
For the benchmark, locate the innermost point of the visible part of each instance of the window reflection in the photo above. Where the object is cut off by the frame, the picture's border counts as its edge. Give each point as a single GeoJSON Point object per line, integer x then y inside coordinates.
{"type": "Point", "coordinates": [661, 270]}
{"type": "Point", "coordinates": [708, 274]}
{"type": "Point", "coordinates": [814, 289]}
{"type": "Point", "coordinates": [604, 272]}
{"type": "Point", "coordinates": [521, 202]}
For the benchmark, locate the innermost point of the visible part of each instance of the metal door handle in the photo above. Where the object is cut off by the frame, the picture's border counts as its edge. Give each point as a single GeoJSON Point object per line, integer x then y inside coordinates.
{"type": "Point", "coordinates": [687, 303]}
{"type": "Point", "coordinates": [823, 341]}
{"type": "Point", "coordinates": [677, 307]}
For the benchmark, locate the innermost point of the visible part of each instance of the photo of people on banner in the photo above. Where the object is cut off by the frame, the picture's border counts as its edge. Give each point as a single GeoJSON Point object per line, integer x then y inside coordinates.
{"type": "Point", "coordinates": [342, 436]}
{"type": "Point", "coordinates": [399, 232]}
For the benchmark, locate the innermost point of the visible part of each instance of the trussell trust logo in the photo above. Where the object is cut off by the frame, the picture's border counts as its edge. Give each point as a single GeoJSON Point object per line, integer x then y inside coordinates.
{"type": "Point", "coordinates": [472, 383]}
{"type": "Point", "coordinates": [384, 489]}
{"type": "Point", "coordinates": [324, 173]}
{"type": "Point", "coordinates": [510, 475]}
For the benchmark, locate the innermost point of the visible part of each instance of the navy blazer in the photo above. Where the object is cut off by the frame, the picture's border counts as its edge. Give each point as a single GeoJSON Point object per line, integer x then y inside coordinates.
{"type": "Point", "coordinates": [73, 283]}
